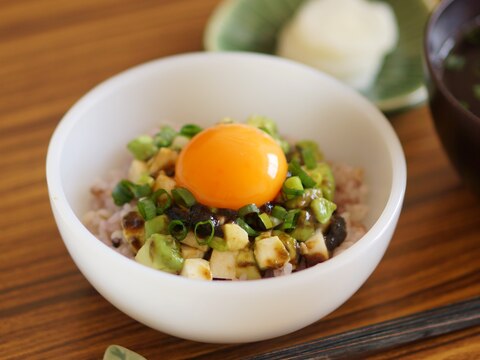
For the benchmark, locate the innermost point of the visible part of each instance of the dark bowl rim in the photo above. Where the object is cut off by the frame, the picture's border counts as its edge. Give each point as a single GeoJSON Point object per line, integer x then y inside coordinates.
{"type": "Point", "coordinates": [433, 19]}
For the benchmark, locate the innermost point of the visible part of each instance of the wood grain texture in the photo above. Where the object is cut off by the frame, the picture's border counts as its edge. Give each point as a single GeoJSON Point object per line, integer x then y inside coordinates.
{"type": "Point", "coordinates": [53, 51]}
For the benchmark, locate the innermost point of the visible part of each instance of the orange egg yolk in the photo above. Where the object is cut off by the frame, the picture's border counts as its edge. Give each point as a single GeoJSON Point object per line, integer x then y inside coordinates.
{"type": "Point", "coordinates": [232, 165]}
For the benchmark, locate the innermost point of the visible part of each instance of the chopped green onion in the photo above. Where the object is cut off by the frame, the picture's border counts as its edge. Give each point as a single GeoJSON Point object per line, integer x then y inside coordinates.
{"type": "Point", "coordinates": [290, 220]}
{"type": "Point", "coordinates": [142, 147]}
{"type": "Point", "coordinates": [296, 170]}
{"type": "Point", "coordinates": [312, 146]}
{"type": "Point", "coordinates": [201, 241]}
{"type": "Point", "coordinates": [122, 193]}
{"type": "Point", "coordinates": [323, 209]}
{"type": "Point", "coordinates": [279, 212]}
{"type": "Point", "coordinates": [162, 200]}
{"type": "Point", "coordinates": [164, 137]}
{"type": "Point", "coordinates": [265, 221]}
{"type": "Point", "coordinates": [183, 197]}
{"type": "Point", "coordinates": [177, 229]}
{"type": "Point", "coordinates": [217, 243]}
{"type": "Point", "coordinates": [250, 231]}
{"type": "Point", "coordinates": [275, 221]}
{"type": "Point", "coordinates": [309, 158]}
{"type": "Point", "coordinates": [125, 191]}
{"type": "Point", "coordinates": [248, 209]}
{"type": "Point", "coordinates": [293, 187]}
{"type": "Point", "coordinates": [157, 225]}
{"type": "Point", "coordinates": [141, 190]}
{"type": "Point", "coordinates": [147, 208]}
{"type": "Point", "coordinates": [190, 130]}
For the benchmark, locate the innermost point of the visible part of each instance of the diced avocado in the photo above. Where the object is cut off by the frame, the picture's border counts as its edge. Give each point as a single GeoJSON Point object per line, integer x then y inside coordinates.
{"type": "Point", "coordinates": [142, 148]}
{"type": "Point", "coordinates": [305, 226]}
{"type": "Point", "coordinates": [270, 127]}
{"type": "Point", "coordinates": [196, 269]}
{"type": "Point", "coordinates": [263, 123]}
{"type": "Point", "coordinates": [235, 237]}
{"type": "Point", "coordinates": [304, 200]}
{"type": "Point", "coordinates": [324, 179]}
{"type": "Point", "coordinates": [157, 225]}
{"type": "Point", "coordinates": [247, 266]}
{"type": "Point", "coordinates": [165, 253]}
{"type": "Point", "coordinates": [218, 243]}
{"type": "Point", "coordinates": [189, 252]}
{"type": "Point", "coordinates": [143, 255]}
{"type": "Point", "coordinates": [323, 209]}
{"type": "Point", "coordinates": [190, 240]}
{"type": "Point", "coordinates": [292, 187]}
{"type": "Point", "coordinates": [315, 249]}
{"type": "Point", "coordinates": [312, 147]}
{"type": "Point", "coordinates": [290, 244]}
{"type": "Point", "coordinates": [270, 253]}
{"type": "Point", "coordinates": [303, 233]}
{"type": "Point", "coordinates": [223, 264]}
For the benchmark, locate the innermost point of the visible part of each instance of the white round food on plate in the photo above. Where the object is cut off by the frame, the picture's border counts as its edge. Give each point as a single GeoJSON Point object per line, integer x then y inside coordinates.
{"type": "Point", "coordinates": [347, 39]}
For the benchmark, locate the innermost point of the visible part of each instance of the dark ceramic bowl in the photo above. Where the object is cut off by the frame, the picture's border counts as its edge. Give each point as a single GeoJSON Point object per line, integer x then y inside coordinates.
{"type": "Point", "coordinates": [458, 128]}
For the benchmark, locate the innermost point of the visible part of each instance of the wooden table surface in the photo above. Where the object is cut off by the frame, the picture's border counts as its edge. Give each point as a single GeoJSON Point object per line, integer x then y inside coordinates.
{"type": "Point", "coordinates": [52, 52]}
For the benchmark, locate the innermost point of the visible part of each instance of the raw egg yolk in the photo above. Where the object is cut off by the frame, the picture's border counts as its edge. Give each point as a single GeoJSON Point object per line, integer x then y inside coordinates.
{"type": "Point", "coordinates": [232, 165]}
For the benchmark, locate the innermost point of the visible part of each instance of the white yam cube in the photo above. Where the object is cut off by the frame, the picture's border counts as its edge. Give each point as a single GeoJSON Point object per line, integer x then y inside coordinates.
{"type": "Point", "coordinates": [223, 264]}
{"type": "Point", "coordinates": [196, 269]}
{"type": "Point", "coordinates": [192, 242]}
{"type": "Point", "coordinates": [247, 266]}
{"type": "Point", "coordinates": [189, 252]}
{"type": "Point", "coordinates": [235, 237]}
{"type": "Point", "coordinates": [164, 182]}
{"type": "Point", "coordinates": [314, 249]}
{"type": "Point", "coordinates": [136, 170]}
{"type": "Point", "coordinates": [164, 158]}
{"type": "Point", "coordinates": [270, 253]}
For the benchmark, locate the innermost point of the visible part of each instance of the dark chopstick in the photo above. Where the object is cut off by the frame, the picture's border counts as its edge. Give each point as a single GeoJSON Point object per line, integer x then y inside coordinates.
{"type": "Point", "coordinates": [385, 335]}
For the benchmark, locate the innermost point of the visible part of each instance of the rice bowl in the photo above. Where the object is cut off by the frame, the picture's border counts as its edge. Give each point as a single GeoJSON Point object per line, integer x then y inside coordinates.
{"type": "Point", "coordinates": [284, 90]}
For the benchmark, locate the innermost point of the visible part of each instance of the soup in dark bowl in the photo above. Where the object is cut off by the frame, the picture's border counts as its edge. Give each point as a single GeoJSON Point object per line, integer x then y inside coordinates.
{"type": "Point", "coordinates": [452, 57]}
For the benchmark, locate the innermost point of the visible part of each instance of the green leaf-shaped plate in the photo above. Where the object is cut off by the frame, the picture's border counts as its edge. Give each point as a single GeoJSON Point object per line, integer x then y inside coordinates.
{"type": "Point", "coordinates": [253, 25]}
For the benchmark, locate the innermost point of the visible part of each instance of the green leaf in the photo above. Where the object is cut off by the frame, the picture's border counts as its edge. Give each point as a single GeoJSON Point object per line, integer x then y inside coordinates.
{"type": "Point", "coordinates": [116, 352]}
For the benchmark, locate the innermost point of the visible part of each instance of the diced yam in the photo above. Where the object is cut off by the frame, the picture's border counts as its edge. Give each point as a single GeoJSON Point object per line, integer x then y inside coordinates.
{"type": "Point", "coordinates": [247, 266]}
{"type": "Point", "coordinates": [189, 252]}
{"type": "Point", "coordinates": [164, 182]}
{"type": "Point", "coordinates": [270, 253]}
{"type": "Point", "coordinates": [179, 142]}
{"type": "Point", "coordinates": [235, 237]}
{"type": "Point", "coordinates": [314, 249]}
{"type": "Point", "coordinates": [191, 241]}
{"type": "Point", "coordinates": [223, 264]}
{"type": "Point", "coordinates": [165, 158]}
{"type": "Point", "coordinates": [196, 269]}
{"type": "Point", "coordinates": [134, 230]}
{"type": "Point", "coordinates": [136, 170]}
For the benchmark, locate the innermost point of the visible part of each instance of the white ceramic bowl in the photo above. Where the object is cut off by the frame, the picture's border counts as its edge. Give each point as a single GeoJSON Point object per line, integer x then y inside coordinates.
{"type": "Point", "coordinates": [203, 88]}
